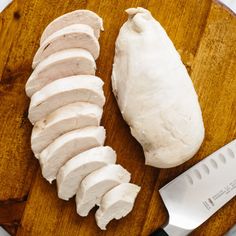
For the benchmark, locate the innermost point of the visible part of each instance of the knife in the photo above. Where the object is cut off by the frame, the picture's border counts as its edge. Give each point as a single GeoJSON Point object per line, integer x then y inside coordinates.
{"type": "Point", "coordinates": [4, 4]}
{"type": "Point", "coordinates": [194, 196]}
{"type": "Point", "coordinates": [231, 4]}
{"type": "Point", "coordinates": [231, 232]}
{"type": "Point", "coordinates": [3, 232]}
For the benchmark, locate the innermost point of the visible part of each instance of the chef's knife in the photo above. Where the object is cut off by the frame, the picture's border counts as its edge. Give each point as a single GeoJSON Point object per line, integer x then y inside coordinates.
{"type": "Point", "coordinates": [231, 4]}
{"type": "Point", "coordinates": [199, 192]}
{"type": "Point", "coordinates": [4, 4]}
{"type": "Point", "coordinates": [232, 231]}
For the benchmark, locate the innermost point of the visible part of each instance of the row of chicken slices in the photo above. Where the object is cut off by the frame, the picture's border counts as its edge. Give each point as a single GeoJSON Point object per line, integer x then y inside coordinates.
{"type": "Point", "coordinates": [66, 107]}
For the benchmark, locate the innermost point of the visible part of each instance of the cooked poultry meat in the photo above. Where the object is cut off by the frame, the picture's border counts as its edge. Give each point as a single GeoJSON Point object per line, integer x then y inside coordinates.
{"type": "Point", "coordinates": [66, 108]}
{"type": "Point", "coordinates": [116, 203]}
{"type": "Point", "coordinates": [67, 118]}
{"type": "Point", "coordinates": [73, 36]}
{"type": "Point", "coordinates": [75, 17]}
{"type": "Point", "coordinates": [96, 184]}
{"type": "Point", "coordinates": [61, 64]}
{"type": "Point", "coordinates": [80, 88]}
{"type": "Point", "coordinates": [62, 149]}
{"type": "Point", "coordinates": [155, 93]}
{"type": "Point", "coordinates": [77, 168]}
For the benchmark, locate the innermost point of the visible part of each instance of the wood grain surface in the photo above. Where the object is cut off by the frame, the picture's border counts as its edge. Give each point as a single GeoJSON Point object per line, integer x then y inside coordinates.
{"type": "Point", "coordinates": [205, 35]}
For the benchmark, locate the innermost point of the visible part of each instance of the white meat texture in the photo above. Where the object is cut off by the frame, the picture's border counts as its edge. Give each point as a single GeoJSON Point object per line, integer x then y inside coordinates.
{"type": "Point", "coordinates": [67, 118]}
{"type": "Point", "coordinates": [73, 36]}
{"type": "Point", "coordinates": [96, 184]}
{"type": "Point", "coordinates": [155, 93]}
{"type": "Point", "coordinates": [62, 149]}
{"type": "Point", "coordinates": [116, 203]}
{"type": "Point", "coordinates": [77, 168]}
{"type": "Point", "coordinates": [79, 16]}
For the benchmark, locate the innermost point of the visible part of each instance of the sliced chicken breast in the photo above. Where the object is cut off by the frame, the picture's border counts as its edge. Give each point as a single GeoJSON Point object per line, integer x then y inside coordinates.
{"type": "Point", "coordinates": [76, 17]}
{"type": "Point", "coordinates": [67, 118]}
{"type": "Point", "coordinates": [116, 203]}
{"type": "Point", "coordinates": [61, 64]}
{"type": "Point", "coordinates": [81, 88]}
{"type": "Point", "coordinates": [73, 36]}
{"type": "Point", "coordinates": [67, 146]}
{"type": "Point", "coordinates": [96, 184]}
{"type": "Point", "coordinates": [71, 174]}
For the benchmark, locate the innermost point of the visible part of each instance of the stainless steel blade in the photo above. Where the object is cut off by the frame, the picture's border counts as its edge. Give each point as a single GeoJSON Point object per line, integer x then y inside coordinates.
{"type": "Point", "coordinates": [231, 4]}
{"type": "Point", "coordinates": [4, 4]}
{"type": "Point", "coordinates": [199, 192]}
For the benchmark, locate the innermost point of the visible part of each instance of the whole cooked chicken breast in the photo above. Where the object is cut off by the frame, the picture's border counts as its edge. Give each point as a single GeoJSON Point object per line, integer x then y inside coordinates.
{"type": "Point", "coordinates": [155, 93]}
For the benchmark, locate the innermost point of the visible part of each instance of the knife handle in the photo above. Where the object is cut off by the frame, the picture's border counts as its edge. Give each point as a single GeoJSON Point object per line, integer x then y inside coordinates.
{"type": "Point", "coordinates": [159, 232]}
{"type": "Point", "coordinates": [171, 230]}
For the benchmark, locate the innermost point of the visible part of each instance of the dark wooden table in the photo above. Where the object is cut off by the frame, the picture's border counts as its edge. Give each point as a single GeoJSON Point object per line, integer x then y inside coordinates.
{"type": "Point", "coordinates": [205, 35]}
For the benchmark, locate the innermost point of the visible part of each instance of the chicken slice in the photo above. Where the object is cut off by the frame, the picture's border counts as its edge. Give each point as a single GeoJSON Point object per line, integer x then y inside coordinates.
{"type": "Point", "coordinates": [155, 93]}
{"type": "Point", "coordinates": [116, 203]}
{"type": "Point", "coordinates": [67, 118]}
{"type": "Point", "coordinates": [62, 149]}
{"type": "Point", "coordinates": [73, 36]}
{"type": "Point", "coordinates": [61, 64]}
{"type": "Point", "coordinates": [96, 184]}
{"type": "Point", "coordinates": [81, 88]}
{"type": "Point", "coordinates": [75, 17]}
{"type": "Point", "coordinates": [72, 173]}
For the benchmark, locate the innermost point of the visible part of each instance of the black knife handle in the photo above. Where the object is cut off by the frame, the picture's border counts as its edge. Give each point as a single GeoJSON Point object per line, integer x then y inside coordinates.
{"type": "Point", "coordinates": [159, 232]}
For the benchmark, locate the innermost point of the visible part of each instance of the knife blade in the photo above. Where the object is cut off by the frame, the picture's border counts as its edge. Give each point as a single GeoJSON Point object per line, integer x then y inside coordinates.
{"type": "Point", "coordinates": [3, 232]}
{"type": "Point", "coordinates": [4, 4]}
{"type": "Point", "coordinates": [231, 4]}
{"type": "Point", "coordinates": [195, 195]}
{"type": "Point", "coordinates": [231, 232]}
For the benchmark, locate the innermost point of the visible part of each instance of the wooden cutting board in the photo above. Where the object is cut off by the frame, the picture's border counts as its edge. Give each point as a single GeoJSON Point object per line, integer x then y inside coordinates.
{"type": "Point", "coordinates": [205, 35]}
